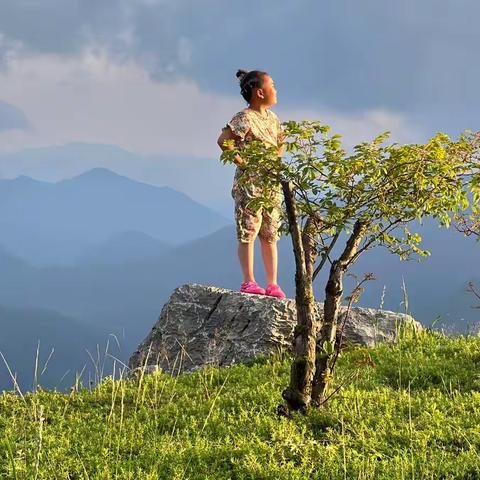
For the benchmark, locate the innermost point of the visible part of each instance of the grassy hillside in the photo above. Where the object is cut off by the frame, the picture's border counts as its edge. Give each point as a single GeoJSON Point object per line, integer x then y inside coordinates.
{"type": "Point", "coordinates": [413, 413]}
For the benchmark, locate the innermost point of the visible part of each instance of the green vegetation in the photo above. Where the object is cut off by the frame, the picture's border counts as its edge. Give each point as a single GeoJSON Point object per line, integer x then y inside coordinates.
{"type": "Point", "coordinates": [354, 202]}
{"type": "Point", "coordinates": [413, 411]}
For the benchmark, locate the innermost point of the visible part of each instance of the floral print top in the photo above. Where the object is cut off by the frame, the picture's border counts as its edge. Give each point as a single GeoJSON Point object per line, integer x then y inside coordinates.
{"type": "Point", "coordinates": [249, 124]}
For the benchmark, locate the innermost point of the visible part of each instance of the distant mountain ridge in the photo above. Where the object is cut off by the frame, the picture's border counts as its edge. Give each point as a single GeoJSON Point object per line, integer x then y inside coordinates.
{"type": "Point", "coordinates": [131, 292]}
{"type": "Point", "coordinates": [128, 296]}
{"type": "Point", "coordinates": [128, 246]}
{"type": "Point", "coordinates": [24, 330]}
{"type": "Point", "coordinates": [206, 180]}
{"type": "Point", "coordinates": [53, 223]}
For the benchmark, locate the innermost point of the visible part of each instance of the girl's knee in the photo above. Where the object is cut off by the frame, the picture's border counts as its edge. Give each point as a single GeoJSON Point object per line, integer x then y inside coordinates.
{"type": "Point", "coordinates": [271, 240]}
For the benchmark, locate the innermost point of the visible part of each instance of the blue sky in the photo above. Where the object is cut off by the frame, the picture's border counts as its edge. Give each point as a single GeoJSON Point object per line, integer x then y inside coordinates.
{"type": "Point", "coordinates": [159, 76]}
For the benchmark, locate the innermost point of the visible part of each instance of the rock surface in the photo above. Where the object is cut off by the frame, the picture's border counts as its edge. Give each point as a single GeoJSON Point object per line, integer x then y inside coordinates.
{"type": "Point", "coordinates": [203, 325]}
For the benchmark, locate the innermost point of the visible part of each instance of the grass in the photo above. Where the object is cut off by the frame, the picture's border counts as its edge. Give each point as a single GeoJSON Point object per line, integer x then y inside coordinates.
{"type": "Point", "coordinates": [414, 415]}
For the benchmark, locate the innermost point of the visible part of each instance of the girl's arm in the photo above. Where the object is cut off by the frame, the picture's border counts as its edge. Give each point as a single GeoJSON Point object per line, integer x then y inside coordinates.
{"type": "Point", "coordinates": [227, 134]}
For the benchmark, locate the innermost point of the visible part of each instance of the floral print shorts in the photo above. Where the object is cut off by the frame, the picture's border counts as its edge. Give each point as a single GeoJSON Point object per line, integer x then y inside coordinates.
{"type": "Point", "coordinates": [250, 223]}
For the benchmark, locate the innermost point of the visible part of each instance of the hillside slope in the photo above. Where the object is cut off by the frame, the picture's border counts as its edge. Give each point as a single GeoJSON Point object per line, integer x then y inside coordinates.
{"type": "Point", "coordinates": [413, 412]}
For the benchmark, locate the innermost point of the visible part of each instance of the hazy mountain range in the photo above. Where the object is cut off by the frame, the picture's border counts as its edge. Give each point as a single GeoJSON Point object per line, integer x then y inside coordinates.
{"type": "Point", "coordinates": [26, 330]}
{"type": "Point", "coordinates": [53, 223]}
{"type": "Point", "coordinates": [118, 285]}
{"type": "Point", "coordinates": [123, 247]}
{"type": "Point", "coordinates": [205, 180]}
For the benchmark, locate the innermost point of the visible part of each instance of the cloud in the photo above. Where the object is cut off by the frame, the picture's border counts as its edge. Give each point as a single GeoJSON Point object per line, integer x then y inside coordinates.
{"type": "Point", "coordinates": [62, 27]}
{"type": "Point", "coordinates": [410, 57]}
{"type": "Point", "coordinates": [91, 99]}
{"type": "Point", "coordinates": [12, 118]}
{"type": "Point", "coordinates": [8, 48]}
{"type": "Point", "coordinates": [362, 126]}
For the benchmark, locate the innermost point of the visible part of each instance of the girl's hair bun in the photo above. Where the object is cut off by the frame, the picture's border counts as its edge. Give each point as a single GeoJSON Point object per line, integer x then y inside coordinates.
{"type": "Point", "coordinates": [241, 74]}
{"type": "Point", "coordinates": [249, 81]}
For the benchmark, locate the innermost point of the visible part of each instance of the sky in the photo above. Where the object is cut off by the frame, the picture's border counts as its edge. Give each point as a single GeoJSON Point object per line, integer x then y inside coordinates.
{"type": "Point", "coordinates": [158, 76]}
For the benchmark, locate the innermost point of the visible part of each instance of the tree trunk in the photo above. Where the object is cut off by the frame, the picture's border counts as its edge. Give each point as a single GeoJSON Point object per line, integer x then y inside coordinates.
{"type": "Point", "coordinates": [333, 296]}
{"type": "Point", "coordinates": [298, 393]}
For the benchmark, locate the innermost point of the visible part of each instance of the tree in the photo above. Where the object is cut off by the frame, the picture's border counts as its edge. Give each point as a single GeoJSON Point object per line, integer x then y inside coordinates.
{"type": "Point", "coordinates": [468, 221]}
{"type": "Point", "coordinates": [355, 202]}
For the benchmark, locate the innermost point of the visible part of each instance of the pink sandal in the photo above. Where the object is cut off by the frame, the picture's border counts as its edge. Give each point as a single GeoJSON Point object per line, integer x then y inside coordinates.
{"type": "Point", "coordinates": [251, 287]}
{"type": "Point", "coordinates": [273, 290]}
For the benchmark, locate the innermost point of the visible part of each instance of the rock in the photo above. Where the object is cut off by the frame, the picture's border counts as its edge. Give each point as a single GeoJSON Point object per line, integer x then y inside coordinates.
{"type": "Point", "coordinates": [202, 325]}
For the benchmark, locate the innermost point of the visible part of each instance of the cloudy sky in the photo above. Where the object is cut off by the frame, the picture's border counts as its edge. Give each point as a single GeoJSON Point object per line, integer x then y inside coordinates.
{"type": "Point", "coordinates": [158, 76]}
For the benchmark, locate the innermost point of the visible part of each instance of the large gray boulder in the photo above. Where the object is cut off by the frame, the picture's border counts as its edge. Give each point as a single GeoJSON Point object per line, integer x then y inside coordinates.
{"type": "Point", "coordinates": [202, 325]}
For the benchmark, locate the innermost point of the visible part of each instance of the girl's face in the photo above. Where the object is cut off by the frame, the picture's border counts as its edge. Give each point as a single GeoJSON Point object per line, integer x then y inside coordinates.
{"type": "Point", "coordinates": [267, 95]}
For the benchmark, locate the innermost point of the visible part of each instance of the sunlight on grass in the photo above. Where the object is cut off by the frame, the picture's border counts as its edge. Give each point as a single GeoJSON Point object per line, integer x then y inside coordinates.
{"type": "Point", "coordinates": [415, 414]}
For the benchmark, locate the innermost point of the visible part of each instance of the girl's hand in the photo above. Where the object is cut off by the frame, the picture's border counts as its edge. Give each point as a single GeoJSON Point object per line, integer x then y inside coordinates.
{"type": "Point", "coordinates": [240, 162]}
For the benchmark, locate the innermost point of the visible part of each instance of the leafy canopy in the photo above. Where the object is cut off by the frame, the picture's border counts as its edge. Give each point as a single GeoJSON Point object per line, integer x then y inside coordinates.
{"type": "Point", "coordinates": [381, 185]}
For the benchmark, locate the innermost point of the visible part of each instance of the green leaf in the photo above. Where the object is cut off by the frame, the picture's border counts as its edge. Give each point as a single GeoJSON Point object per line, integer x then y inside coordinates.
{"type": "Point", "coordinates": [328, 347]}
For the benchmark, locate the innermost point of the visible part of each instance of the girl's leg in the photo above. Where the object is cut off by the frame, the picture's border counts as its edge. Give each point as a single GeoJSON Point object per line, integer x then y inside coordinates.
{"type": "Point", "coordinates": [245, 255]}
{"type": "Point", "coordinates": [269, 254]}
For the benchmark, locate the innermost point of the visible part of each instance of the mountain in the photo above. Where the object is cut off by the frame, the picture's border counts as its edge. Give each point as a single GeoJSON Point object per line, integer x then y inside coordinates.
{"type": "Point", "coordinates": [129, 246]}
{"type": "Point", "coordinates": [9, 262]}
{"type": "Point", "coordinates": [128, 297]}
{"type": "Point", "coordinates": [23, 329]}
{"type": "Point", "coordinates": [53, 223]}
{"type": "Point", "coordinates": [206, 180]}
{"type": "Point", "coordinates": [123, 296]}
{"type": "Point", "coordinates": [132, 293]}
{"type": "Point", "coordinates": [435, 285]}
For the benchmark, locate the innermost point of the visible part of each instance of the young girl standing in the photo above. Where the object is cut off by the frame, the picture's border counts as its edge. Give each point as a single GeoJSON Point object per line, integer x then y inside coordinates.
{"type": "Point", "coordinates": [255, 122]}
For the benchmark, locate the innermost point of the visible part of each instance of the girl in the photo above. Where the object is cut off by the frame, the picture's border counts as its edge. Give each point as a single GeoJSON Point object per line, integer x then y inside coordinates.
{"type": "Point", "coordinates": [255, 122]}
